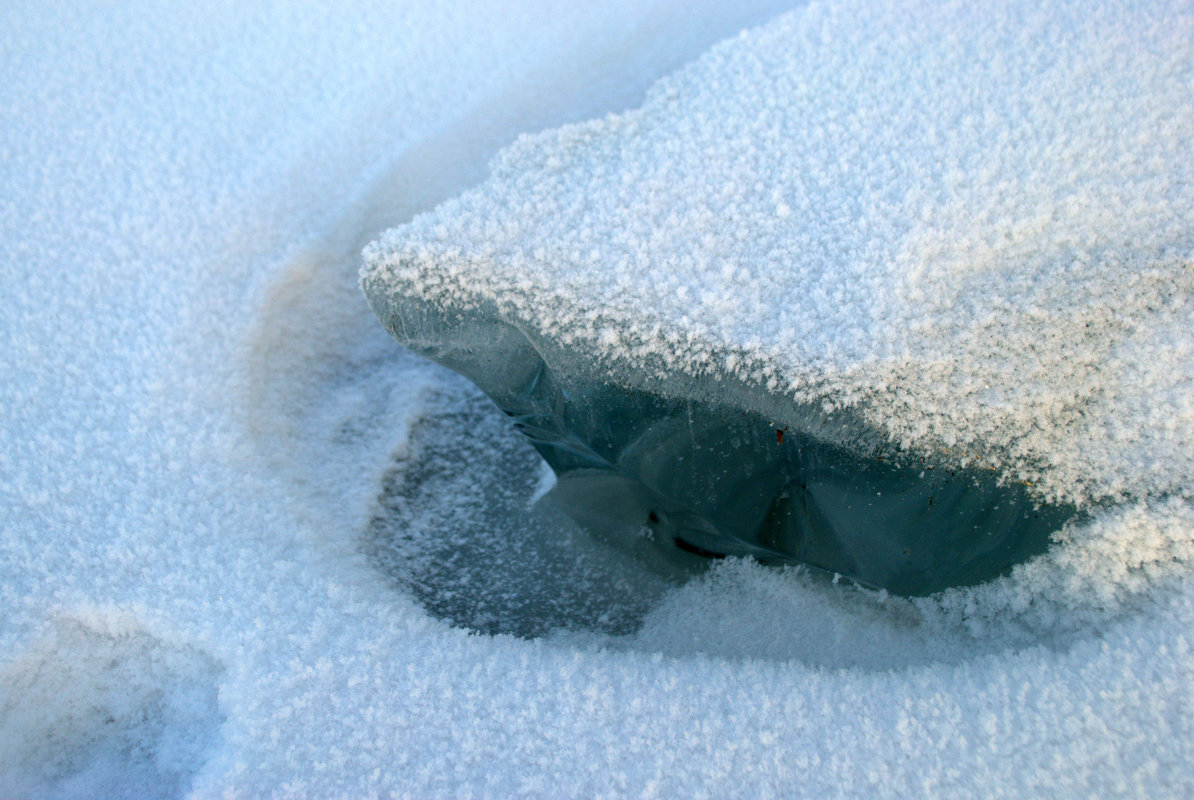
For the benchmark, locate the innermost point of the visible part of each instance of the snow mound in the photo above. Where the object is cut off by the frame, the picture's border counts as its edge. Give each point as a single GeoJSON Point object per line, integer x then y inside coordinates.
{"type": "Point", "coordinates": [969, 228]}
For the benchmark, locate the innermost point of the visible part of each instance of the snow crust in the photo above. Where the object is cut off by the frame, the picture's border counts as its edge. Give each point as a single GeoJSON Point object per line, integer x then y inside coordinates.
{"type": "Point", "coordinates": [198, 414]}
{"type": "Point", "coordinates": [972, 227]}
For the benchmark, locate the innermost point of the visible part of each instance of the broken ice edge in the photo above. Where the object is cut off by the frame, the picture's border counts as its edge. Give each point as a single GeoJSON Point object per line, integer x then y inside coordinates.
{"type": "Point", "coordinates": [701, 477]}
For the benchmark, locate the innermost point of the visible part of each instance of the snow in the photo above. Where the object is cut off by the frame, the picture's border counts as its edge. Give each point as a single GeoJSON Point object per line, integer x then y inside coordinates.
{"type": "Point", "coordinates": [198, 415]}
{"type": "Point", "coordinates": [974, 229]}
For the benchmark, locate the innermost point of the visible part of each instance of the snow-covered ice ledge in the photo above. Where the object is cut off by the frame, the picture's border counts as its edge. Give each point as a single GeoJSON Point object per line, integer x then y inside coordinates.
{"type": "Point", "coordinates": [945, 232]}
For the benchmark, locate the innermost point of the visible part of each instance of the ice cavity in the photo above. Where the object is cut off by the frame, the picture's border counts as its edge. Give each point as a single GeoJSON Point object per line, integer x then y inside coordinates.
{"type": "Point", "coordinates": [710, 479]}
{"type": "Point", "coordinates": [942, 243]}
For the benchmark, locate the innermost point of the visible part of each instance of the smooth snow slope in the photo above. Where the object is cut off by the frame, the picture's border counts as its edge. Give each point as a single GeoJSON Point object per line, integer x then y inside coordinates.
{"type": "Point", "coordinates": [197, 411]}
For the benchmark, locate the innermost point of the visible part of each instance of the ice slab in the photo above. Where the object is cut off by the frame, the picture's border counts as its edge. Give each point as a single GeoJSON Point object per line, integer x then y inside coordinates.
{"type": "Point", "coordinates": [946, 236]}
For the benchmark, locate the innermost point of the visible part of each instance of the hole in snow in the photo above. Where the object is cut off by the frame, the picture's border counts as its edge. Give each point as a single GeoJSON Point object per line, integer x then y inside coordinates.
{"type": "Point", "coordinates": [88, 713]}
{"type": "Point", "coordinates": [469, 524]}
{"type": "Point", "coordinates": [710, 477]}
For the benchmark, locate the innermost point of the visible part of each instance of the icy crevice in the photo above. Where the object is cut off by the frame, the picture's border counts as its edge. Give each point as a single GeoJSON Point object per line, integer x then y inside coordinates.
{"type": "Point", "coordinates": [706, 478]}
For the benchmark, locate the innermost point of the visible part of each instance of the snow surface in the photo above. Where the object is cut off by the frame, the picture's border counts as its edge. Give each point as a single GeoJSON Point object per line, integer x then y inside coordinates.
{"type": "Point", "coordinates": [198, 415]}
{"type": "Point", "coordinates": [976, 228]}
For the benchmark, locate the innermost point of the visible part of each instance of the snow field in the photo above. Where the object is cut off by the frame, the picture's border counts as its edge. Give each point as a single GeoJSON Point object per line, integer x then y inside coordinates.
{"type": "Point", "coordinates": [198, 414]}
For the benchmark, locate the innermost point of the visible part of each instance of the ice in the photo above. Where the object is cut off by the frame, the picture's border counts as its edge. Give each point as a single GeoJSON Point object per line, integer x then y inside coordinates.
{"type": "Point", "coordinates": [932, 266]}
{"type": "Point", "coordinates": [497, 557]}
{"type": "Point", "coordinates": [714, 480]}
